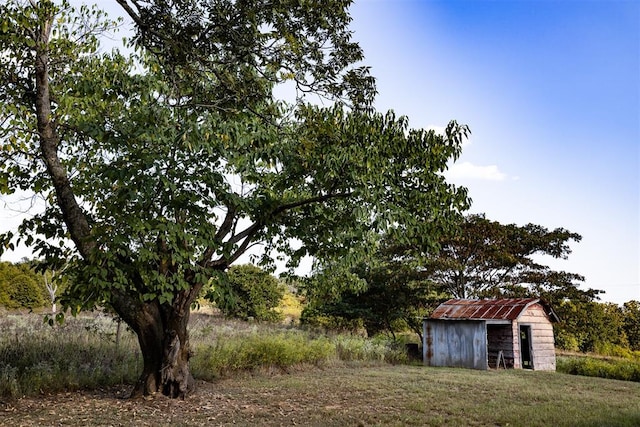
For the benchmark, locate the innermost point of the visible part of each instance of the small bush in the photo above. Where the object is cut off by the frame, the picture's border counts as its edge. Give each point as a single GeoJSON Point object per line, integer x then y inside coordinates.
{"type": "Point", "coordinates": [247, 292]}
{"type": "Point", "coordinates": [567, 341]}
{"type": "Point", "coordinates": [21, 287]}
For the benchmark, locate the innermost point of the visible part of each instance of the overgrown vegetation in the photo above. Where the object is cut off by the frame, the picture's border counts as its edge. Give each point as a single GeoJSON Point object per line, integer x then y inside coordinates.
{"type": "Point", "coordinates": [82, 353]}
{"type": "Point", "coordinates": [88, 352]}
{"type": "Point", "coordinates": [626, 369]}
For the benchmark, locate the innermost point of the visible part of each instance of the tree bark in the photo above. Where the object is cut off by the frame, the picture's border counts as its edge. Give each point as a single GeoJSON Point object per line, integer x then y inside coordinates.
{"type": "Point", "coordinates": [164, 343]}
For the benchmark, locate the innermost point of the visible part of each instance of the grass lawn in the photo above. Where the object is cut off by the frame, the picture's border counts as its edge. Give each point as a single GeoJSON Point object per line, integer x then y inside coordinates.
{"type": "Point", "coordinates": [359, 396]}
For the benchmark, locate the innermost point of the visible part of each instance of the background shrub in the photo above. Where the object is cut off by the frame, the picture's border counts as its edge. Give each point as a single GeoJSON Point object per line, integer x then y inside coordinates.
{"type": "Point", "coordinates": [21, 287]}
{"type": "Point", "coordinates": [247, 291]}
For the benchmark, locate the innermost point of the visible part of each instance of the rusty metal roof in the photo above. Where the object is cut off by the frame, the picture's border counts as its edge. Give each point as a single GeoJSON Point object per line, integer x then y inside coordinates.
{"type": "Point", "coordinates": [496, 309]}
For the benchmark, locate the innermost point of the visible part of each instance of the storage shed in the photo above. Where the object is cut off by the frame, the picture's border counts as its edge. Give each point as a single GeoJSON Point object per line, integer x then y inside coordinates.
{"type": "Point", "coordinates": [510, 333]}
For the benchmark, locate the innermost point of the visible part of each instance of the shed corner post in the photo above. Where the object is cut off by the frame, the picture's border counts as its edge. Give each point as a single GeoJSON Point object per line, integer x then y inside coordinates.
{"type": "Point", "coordinates": [424, 342]}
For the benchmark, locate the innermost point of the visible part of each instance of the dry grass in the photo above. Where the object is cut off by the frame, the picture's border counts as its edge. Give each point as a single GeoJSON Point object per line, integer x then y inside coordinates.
{"type": "Point", "coordinates": [343, 396]}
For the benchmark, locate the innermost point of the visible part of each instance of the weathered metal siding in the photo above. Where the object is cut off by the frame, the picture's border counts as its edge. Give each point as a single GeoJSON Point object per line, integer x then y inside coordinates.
{"type": "Point", "coordinates": [542, 342]}
{"type": "Point", "coordinates": [461, 344]}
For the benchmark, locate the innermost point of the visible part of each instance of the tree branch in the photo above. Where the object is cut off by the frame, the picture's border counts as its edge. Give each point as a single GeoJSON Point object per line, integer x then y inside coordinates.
{"type": "Point", "coordinates": [248, 233]}
{"type": "Point", "coordinates": [73, 215]}
{"type": "Point", "coordinates": [317, 199]}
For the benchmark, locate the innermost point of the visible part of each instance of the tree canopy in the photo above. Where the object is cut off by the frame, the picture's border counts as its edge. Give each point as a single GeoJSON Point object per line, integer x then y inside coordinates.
{"type": "Point", "coordinates": [389, 291]}
{"type": "Point", "coordinates": [486, 259]}
{"type": "Point", "coordinates": [159, 170]}
{"type": "Point", "coordinates": [479, 258]}
{"type": "Point", "coordinates": [246, 47]}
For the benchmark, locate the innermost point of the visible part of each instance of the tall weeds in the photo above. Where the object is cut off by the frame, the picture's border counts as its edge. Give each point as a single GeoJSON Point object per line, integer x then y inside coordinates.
{"type": "Point", "coordinates": [83, 352]}
{"type": "Point", "coordinates": [619, 369]}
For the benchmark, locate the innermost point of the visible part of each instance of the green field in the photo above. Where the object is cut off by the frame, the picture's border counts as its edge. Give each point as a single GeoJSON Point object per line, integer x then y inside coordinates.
{"type": "Point", "coordinates": [366, 396]}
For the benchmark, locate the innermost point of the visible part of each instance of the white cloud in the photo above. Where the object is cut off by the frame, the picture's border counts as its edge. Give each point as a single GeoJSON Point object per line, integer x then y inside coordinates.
{"type": "Point", "coordinates": [467, 170]}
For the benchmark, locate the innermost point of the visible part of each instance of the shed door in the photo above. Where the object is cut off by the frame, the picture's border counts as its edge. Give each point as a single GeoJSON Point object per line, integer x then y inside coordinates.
{"type": "Point", "coordinates": [526, 349]}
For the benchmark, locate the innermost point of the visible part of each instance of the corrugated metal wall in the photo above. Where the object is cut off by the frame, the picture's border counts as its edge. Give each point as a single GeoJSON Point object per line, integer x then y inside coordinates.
{"type": "Point", "coordinates": [461, 343]}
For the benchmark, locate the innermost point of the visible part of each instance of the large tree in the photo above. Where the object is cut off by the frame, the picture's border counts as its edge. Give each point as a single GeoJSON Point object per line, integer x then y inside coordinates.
{"type": "Point", "coordinates": [158, 171]}
{"type": "Point", "coordinates": [485, 259]}
{"type": "Point", "coordinates": [389, 291]}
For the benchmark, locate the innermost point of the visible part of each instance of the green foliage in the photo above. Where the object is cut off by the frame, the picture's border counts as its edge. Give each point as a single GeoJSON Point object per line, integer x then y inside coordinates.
{"type": "Point", "coordinates": [181, 170]}
{"type": "Point", "coordinates": [247, 292]}
{"type": "Point", "coordinates": [589, 326]}
{"type": "Point", "coordinates": [25, 292]}
{"type": "Point", "coordinates": [608, 349]}
{"type": "Point", "coordinates": [247, 47]}
{"type": "Point", "coordinates": [620, 369]}
{"type": "Point", "coordinates": [631, 323]}
{"type": "Point", "coordinates": [20, 286]}
{"type": "Point", "coordinates": [290, 307]}
{"type": "Point", "coordinates": [403, 280]}
{"type": "Point", "coordinates": [565, 340]}
{"type": "Point", "coordinates": [486, 259]}
{"type": "Point", "coordinates": [388, 293]}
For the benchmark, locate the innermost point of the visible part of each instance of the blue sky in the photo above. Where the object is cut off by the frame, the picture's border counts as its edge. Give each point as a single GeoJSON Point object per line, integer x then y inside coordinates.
{"type": "Point", "coordinates": [551, 92]}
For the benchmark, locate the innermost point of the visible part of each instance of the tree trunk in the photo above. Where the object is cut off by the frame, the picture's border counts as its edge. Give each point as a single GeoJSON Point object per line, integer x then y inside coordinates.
{"type": "Point", "coordinates": [164, 343]}
{"type": "Point", "coordinates": [161, 328]}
